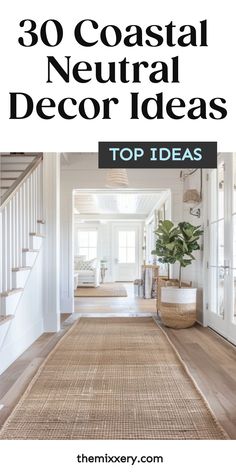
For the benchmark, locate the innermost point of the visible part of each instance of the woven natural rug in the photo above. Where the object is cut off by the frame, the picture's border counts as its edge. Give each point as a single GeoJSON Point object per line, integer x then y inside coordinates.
{"type": "Point", "coordinates": [104, 290]}
{"type": "Point", "coordinates": [112, 378]}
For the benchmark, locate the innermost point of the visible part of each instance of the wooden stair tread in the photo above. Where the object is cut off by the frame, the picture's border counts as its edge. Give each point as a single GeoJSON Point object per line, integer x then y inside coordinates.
{"type": "Point", "coordinates": [39, 235]}
{"type": "Point", "coordinates": [11, 170]}
{"type": "Point", "coordinates": [14, 163]}
{"type": "Point", "coordinates": [5, 318]}
{"type": "Point", "coordinates": [18, 269]}
{"type": "Point", "coordinates": [30, 250]}
{"type": "Point", "coordinates": [12, 292]}
{"type": "Point", "coordinates": [7, 178]}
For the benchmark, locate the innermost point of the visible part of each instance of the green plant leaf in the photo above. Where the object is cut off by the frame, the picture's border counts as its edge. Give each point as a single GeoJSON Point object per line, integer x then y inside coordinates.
{"type": "Point", "coordinates": [176, 243]}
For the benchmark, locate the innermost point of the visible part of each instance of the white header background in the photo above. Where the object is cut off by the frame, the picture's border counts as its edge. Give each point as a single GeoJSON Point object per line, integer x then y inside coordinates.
{"type": "Point", "coordinates": [204, 72]}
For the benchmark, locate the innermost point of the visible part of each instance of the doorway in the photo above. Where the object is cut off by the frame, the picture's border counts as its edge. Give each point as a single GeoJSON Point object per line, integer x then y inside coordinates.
{"type": "Point", "coordinates": [221, 237]}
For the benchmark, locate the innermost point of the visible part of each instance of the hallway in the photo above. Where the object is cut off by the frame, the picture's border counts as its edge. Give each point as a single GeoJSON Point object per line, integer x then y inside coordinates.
{"type": "Point", "coordinates": [210, 359]}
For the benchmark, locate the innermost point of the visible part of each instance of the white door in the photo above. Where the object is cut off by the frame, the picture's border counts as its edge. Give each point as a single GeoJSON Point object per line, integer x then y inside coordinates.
{"type": "Point", "coordinates": [126, 253]}
{"type": "Point", "coordinates": [221, 235]}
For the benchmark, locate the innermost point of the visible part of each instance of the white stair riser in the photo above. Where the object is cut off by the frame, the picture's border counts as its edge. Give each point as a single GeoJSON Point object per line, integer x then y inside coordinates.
{"type": "Point", "coordinates": [19, 278]}
{"type": "Point", "coordinates": [6, 183]}
{"type": "Point", "coordinates": [29, 258]}
{"type": "Point", "coordinates": [9, 304]}
{"type": "Point", "coordinates": [10, 175]}
{"type": "Point", "coordinates": [14, 160]}
{"type": "Point", "coordinates": [35, 242]}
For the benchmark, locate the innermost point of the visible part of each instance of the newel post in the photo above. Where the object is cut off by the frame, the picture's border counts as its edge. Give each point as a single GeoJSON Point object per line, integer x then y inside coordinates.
{"type": "Point", "coordinates": [51, 205]}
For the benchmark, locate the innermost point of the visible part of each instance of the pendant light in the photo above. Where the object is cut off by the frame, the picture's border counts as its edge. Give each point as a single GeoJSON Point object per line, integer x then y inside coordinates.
{"type": "Point", "coordinates": [117, 178]}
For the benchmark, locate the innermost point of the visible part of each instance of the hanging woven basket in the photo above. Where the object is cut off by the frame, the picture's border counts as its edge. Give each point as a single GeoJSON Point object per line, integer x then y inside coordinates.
{"type": "Point", "coordinates": [191, 196]}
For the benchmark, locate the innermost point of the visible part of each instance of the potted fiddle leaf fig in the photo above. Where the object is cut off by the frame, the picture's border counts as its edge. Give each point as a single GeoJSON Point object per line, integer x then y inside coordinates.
{"type": "Point", "coordinates": [176, 244]}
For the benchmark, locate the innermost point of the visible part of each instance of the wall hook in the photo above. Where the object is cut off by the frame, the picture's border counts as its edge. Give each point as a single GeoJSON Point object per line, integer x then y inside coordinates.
{"type": "Point", "coordinates": [195, 212]}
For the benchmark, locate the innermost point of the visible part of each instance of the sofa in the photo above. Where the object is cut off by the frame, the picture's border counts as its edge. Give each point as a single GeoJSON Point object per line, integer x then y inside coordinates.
{"type": "Point", "coordinates": [86, 273]}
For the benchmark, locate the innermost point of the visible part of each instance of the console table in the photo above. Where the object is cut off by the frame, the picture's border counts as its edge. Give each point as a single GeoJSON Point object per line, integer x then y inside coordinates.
{"type": "Point", "coordinates": [150, 274]}
{"type": "Point", "coordinates": [103, 273]}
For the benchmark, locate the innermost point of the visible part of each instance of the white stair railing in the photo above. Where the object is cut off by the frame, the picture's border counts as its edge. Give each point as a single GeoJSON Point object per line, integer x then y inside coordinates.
{"type": "Point", "coordinates": [19, 214]}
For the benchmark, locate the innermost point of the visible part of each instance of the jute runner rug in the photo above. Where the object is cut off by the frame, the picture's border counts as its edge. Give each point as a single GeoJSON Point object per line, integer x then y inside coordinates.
{"type": "Point", "coordinates": [104, 290]}
{"type": "Point", "coordinates": [112, 378]}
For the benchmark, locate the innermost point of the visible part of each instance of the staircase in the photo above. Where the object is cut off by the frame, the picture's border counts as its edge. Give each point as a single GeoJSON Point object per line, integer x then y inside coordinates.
{"type": "Point", "coordinates": [12, 167]}
{"type": "Point", "coordinates": [21, 227]}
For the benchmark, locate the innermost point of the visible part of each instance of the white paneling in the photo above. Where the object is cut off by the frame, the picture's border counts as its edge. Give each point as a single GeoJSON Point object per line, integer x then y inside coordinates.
{"type": "Point", "coordinates": [115, 202]}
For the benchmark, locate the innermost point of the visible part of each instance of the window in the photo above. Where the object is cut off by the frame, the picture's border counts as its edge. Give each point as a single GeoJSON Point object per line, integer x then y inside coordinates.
{"type": "Point", "coordinates": [87, 243]}
{"type": "Point", "coordinates": [126, 247]}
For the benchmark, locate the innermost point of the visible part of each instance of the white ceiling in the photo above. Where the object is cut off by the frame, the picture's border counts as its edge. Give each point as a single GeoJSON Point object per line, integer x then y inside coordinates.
{"type": "Point", "coordinates": [115, 203]}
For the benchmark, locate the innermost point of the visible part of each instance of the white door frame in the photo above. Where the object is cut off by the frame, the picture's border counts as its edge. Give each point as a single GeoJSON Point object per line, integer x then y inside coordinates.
{"type": "Point", "coordinates": [226, 325]}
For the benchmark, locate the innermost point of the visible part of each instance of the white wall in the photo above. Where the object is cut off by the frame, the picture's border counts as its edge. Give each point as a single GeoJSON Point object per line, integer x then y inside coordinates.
{"type": "Point", "coordinates": [27, 325]}
{"type": "Point", "coordinates": [151, 224]}
{"type": "Point", "coordinates": [82, 172]}
{"type": "Point", "coordinates": [194, 273]}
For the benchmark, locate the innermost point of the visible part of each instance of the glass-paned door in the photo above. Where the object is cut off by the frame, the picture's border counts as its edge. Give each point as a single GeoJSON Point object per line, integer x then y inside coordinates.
{"type": "Point", "coordinates": [126, 252]}
{"type": "Point", "coordinates": [126, 247]}
{"type": "Point", "coordinates": [232, 271]}
{"type": "Point", "coordinates": [221, 231]}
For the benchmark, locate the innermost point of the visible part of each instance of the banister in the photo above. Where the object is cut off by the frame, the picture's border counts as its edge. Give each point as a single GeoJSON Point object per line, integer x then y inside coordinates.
{"type": "Point", "coordinates": [21, 179]}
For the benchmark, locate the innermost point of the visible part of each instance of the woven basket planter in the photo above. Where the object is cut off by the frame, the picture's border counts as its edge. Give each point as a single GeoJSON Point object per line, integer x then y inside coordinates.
{"type": "Point", "coordinates": [177, 306]}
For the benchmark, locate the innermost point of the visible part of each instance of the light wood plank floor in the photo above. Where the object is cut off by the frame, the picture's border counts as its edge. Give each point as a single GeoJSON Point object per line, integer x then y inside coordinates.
{"type": "Point", "coordinates": [210, 359]}
{"type": "Point", "coordinates": [129, 304]}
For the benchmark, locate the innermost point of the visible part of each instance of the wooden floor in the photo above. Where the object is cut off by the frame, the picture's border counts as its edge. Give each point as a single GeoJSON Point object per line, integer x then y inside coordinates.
{"type": "Point", "coordinates": [121, 305]}
{"type": "Point", "coordinates": [210, 359]}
